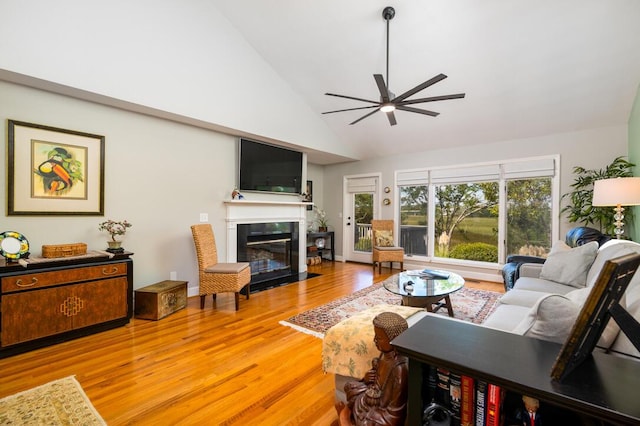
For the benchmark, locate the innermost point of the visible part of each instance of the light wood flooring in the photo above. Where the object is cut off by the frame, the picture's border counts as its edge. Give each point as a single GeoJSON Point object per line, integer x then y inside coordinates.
{"type": "Point", "coordinates": [214, 366]}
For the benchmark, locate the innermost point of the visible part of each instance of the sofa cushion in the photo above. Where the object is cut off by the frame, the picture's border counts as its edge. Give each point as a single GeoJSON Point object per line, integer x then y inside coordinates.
{"type": "Point", "coordinates": [505, 317]}
{"type": "Point", "coordinates": [526, 298]}
{"type": "Point", "coordinates": [540, 285]}
{"type": "Point", "coordinates": [551, 318]}
{"type": "Point", "coordinates": [610, 332]}
{"type": "Point", "coordinates": [610, 250]}
{"type": "Point", "coordinates": [568, 265]}
{"type": "Point", "coordinates": [622, 344]}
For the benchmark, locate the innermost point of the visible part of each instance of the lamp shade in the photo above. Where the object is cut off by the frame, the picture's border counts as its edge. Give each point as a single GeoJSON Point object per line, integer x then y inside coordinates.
{"type": "Point", "coordinates": [623, 191]}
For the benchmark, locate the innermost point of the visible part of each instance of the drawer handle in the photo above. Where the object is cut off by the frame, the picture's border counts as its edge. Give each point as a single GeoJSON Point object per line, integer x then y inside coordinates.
{"type": "Point", "coordinates": [114, 270]}
{"type": "Point", "coordinates": [33, 282]}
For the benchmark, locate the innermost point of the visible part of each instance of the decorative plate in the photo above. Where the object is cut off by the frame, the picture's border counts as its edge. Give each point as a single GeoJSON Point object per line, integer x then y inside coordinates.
{"type": "Point", "coordinates": [13, 245]}
{"type": "Point", "coordinates": [320, 243]}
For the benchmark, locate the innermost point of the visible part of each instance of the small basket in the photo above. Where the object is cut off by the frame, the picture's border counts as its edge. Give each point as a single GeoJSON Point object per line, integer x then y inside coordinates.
{"type": "Point", "coordinates": [64, 250]}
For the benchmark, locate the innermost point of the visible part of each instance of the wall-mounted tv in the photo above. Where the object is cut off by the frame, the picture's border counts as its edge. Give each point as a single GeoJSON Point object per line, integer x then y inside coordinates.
{"type": "Point", "coordinates": [269, 168]}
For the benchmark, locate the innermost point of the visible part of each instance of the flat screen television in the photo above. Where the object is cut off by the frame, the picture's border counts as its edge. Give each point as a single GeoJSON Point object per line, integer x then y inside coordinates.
{"type": "Point", "coordinates": [269, 168]}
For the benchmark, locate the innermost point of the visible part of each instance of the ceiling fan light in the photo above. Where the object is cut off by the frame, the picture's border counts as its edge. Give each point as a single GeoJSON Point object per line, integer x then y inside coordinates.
{"type": "Point", "coordinates": [388, 107]}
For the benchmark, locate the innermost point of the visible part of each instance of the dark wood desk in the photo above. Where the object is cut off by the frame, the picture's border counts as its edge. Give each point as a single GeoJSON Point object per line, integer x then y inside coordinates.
{"type": "Point", "coordinates": [604, 386]}
{"type": "Point", "coordinates": [312, 236]}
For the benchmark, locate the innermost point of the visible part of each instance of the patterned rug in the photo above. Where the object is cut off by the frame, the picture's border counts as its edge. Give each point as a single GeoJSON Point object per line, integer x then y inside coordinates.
{"type": "Point", "coordinates": [61, 402]}
{"type": "Point", "coordinates": [468, 305]}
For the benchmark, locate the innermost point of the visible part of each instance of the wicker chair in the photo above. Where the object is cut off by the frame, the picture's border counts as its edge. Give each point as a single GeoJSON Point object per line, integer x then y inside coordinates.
{"type": "Point", "coordinates": [217, 277]}
{"type": "Point", "coordinates": [383, 245]}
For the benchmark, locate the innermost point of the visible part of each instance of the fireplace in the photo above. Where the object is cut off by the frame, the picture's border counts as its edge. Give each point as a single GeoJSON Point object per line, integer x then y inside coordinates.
{"type": "Point", "coordinates": [263, 223]}
{"type": "Point", "coordinates": [272, 250]}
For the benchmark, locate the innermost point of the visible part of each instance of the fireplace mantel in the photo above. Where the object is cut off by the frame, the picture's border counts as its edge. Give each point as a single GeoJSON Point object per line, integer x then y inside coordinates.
{"type": "Point", "coordinates": [260, 211]}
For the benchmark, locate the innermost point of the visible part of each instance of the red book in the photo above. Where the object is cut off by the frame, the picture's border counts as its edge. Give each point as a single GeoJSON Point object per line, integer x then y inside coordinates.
{"type": "Point", "coordinates": [468, 404]}
{"type": "Point", "coordinates": [493, 405]}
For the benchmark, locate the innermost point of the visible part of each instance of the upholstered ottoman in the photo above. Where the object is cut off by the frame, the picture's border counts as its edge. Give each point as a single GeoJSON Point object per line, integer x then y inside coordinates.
{"type": "Point", "coordinates": [348, 347]}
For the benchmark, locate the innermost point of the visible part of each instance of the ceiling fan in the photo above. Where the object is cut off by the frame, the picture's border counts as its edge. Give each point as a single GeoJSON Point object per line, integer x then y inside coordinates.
{"type": "Point", "coordinates": [388, 102]}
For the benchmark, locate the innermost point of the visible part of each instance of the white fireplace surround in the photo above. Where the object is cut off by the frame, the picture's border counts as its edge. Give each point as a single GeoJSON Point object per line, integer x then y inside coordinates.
{"type": "Point", "coordinates": [245, 212]}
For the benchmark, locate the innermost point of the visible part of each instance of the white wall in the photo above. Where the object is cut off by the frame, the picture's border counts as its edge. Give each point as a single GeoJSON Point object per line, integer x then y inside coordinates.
{"type": "Point", "coordinates": [159, 175]}
{"type": "Point", "coordinates": [188, 61]}
{"type": "Point", "coordinates": [594, 148]}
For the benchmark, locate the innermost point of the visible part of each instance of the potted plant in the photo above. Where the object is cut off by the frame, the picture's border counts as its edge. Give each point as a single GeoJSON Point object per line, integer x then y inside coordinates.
{"type": "Point", "coordinates": [580, 209]}
{"type": "Point", "coordinates": [321, 219]}
{"type": "Point", "coordinates": [115, 228]}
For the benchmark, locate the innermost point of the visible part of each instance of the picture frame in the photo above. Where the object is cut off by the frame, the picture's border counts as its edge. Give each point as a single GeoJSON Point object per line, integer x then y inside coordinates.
{"type": "Point", "coordinates": [308, 197]}
{"type": "Point", "coordinates": [53, 171]}
{"type": "Point", "coordinates": [601, 306]}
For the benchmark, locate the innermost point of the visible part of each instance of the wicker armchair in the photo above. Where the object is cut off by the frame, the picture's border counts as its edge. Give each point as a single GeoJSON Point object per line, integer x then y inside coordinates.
{"type": "Point", "coordinates": [384, 249]}
{"type": "Point", "coordinates": [217, 277]}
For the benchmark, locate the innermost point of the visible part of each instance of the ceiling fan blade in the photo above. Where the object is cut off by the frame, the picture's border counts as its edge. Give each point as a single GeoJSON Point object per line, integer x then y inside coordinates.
{"type": "Point", "coordinates": [350, 109]}
{"type": "Point", "coordinates": [384, 91]}
{"type": "Point", "coordinates": [420, 87]}
{"type": "Point", "coordinates": [417, 110]}
{"type": "Point", "coordinates": [392, 118]}
{"type": "Point", "coordinates": [432, 99]}
{"type": "Point", "coordinates": [351, 97]}
{"type": "Point", "coordinates": [365, 116]}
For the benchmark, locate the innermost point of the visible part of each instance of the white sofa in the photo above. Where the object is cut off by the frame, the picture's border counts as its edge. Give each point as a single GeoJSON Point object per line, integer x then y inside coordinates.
{"type": "Point", "coordinates": [544, 303]}
{"type": "Point", "coordinates": [546, 299]}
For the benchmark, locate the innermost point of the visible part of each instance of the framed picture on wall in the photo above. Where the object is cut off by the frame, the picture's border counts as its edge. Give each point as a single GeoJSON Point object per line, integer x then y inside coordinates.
{"type": "Point", "coordinates": [54, 171]}
{"type": "Point", "coordinates": [309, 194]}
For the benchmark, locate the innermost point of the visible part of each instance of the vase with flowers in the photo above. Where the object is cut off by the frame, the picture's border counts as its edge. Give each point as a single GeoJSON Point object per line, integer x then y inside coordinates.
{"type": "Point", "coordinates": [321, 219]}
{"type": "Point", "coordinates": [115, 228]}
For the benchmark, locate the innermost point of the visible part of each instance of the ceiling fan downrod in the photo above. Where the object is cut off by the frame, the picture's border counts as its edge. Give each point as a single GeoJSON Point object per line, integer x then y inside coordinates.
{"type": "Point", "coordinates": [388, 13]}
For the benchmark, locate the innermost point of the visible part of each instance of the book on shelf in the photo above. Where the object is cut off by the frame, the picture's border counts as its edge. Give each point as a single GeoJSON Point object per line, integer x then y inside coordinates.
{"type": "Point", "coordinates": [494, 404]}
{"type": "Point", "coordinates": [481, 402]}
{"type": "Point", "coordinates": [468, 401]}
{"type": "Point", "coordinates": [455, 394]}
{"type": "Point", "coordinates": [442, 395]}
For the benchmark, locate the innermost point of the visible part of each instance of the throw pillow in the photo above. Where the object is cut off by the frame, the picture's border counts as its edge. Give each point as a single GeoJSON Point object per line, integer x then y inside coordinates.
{"type": "Point", "coordinates": [551, 318]}
{"type": "Point", "coordinates": [383, 238]}
{"type": "Point", "coordinates": [610, 332]}
{"type": "Point", "coordinates": [569, 266]}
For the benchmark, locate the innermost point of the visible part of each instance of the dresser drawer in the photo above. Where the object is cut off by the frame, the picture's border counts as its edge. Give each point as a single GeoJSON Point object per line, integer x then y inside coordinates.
{"type": "Point", "coordinates": [32, 281]}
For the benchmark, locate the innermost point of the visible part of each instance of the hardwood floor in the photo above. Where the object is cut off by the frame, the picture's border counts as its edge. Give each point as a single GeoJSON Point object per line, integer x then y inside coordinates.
{"type": "Point", "coordinates": [211, 366]}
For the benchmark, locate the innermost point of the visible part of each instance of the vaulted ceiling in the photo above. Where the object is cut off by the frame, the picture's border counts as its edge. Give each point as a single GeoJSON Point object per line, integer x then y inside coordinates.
{"type": "Point", "coordinates": [528, 68]}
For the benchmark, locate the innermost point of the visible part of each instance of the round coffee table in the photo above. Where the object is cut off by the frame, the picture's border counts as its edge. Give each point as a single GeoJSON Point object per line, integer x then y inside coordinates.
{"type": "Point", "coordinates": [420, 289]}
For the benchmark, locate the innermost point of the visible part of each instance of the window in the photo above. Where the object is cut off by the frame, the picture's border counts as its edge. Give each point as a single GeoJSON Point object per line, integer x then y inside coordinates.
{"type": "Point", "coordinates": [478, 213]}
{"type": "Point", "coordinates": [466, 221]}
{"type": "Point", "coordinates": [529, 216]}
{"type": "Point", "coordinates": [413, 219]}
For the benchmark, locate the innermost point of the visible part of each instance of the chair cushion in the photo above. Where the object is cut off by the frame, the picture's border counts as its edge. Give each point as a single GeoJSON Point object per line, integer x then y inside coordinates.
{"type": "Point", "coordinates": [391, 248]}
{"type": "Point", "coordinates": [227, 268]}
{"type": "Point", "coordinates": [383, 238]}
{"type": "Point", "coordinates": [566, 265]}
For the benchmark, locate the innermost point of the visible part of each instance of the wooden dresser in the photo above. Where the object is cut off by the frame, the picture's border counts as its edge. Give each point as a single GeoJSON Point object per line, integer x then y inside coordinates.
{"type": "Point", "coordinates": [48, 302]}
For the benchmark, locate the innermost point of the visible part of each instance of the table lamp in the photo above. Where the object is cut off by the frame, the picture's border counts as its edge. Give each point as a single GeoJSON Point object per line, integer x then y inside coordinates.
{"type": "Point", "coordinates": [618, 192]}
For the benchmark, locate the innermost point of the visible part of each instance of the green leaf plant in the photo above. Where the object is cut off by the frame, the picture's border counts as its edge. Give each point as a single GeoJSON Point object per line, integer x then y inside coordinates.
{"type": "Point", "coordinates": [579, 208]}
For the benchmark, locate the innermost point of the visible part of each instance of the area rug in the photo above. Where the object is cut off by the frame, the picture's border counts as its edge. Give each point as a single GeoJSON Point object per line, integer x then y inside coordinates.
{"type": "Point", "coordinates": [468, 305]}
{"type": "Point", "coordinates": [61, 402]}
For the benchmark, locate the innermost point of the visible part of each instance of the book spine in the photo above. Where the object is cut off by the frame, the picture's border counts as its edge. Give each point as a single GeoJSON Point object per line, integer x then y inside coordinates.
{"type": "Point", "coordinates": [442, 388]}
{"type": "Point", "coordinates": [493, 405]}
{"type": "Point", "coordinates": [432, 383]}
{"type": "Point", "coordinates": [481, 402]}
{"type": "Point", "coordinates": [455, 393]}
{"type": "Point", "coordinates": [468, 404]}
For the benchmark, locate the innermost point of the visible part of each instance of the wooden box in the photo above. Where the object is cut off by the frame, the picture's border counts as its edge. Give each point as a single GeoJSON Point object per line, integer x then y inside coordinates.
{"type": "Point", "coordinates": [158, 300]}
{"type": "Point", "coordinates": [64, 250]}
